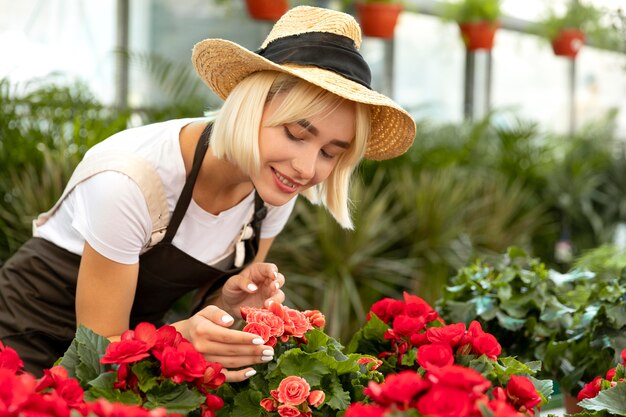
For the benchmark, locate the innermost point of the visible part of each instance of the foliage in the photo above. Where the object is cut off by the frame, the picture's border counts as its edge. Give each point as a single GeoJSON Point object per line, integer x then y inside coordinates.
{"type": "Point", "coordinates": [571, 322]}
{"type": "Point", "coordinates": [311, 375]}
{"type": "Point", "coordinates": [464, 11]}
{"type": "Point", "coordinates": [148, 367]}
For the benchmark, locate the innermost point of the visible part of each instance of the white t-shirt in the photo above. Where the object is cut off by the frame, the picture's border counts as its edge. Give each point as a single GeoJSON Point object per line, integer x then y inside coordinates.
{"type": "Point", "coordinates": [109, 211]}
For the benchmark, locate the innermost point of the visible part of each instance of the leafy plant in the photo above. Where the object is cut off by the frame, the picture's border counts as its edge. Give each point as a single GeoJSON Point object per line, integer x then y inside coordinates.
{"type": "Point", "coordinates": [571, 322]}
{"type": "Point", "coordinates": [473, 10]}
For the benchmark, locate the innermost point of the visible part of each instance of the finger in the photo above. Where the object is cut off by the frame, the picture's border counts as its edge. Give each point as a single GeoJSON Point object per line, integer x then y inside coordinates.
{"type": "Point", "coordinates": [238, 361]}
{"type": "Point", "coordinates": [238, 376]}
{"type": "Point", "coordinates": [217, 315]}
{"type": "Point", "coordinates": [228, 349]}
{"type": "Point", "coordinates": [263, 271]}
{"type": "Point", "coordinates": [278, 297]}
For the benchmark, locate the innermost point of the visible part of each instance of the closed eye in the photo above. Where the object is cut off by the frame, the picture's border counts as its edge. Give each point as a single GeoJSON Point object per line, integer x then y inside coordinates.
{"type": "Point", "coordinates": [290, 135]}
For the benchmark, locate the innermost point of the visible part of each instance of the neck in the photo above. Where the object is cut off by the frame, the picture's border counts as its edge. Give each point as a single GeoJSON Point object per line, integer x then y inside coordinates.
{"type": "Point", "coordinates": [221, 184]}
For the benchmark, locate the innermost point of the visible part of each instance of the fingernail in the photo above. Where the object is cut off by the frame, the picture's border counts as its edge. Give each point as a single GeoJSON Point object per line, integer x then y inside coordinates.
{"type": "Point", "coordinates": [250, 373]}
{"type": "Point", "coordinates": [252, 287]}
{"type": "Point", "coordinates": [266, 358]}
{"type": "Point", "coordinates": [275, 275]}
{"type": "Point", "coordinates": [226, 318]}
{"type": "Point", "coordinates": [277, 285]}
{"type": "Point", "coordinates": [258, 341]}
{"type": "Point", "coordinates": [268, 352]}
{"type": "Point", "coordinates": [270, 302]}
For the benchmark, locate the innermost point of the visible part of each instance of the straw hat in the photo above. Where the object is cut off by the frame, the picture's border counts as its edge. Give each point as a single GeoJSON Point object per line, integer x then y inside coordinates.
{"type": "Point", "coordinates": [320, 46]}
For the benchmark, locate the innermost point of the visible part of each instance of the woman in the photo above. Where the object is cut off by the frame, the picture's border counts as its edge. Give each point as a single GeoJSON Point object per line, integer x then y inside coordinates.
{"type": "Point", "coordinates": [154, 212]}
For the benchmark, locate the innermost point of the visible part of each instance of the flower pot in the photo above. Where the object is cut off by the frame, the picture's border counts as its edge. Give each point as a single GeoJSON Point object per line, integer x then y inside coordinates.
{"type": "Point", "coordinates": [266, 9]}
{"type": "Point", "coordinates": [568, 42]}
{"type": "Point", "coordinates": [478, 35]}
{"type": "Point", "coordinates": [378, 19]}
{"type": "Point", "coordinates": [570, 403]}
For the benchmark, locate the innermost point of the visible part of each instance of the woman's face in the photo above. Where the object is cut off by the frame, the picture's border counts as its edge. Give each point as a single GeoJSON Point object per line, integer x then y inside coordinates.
{"type": "Point", "coordinates": [299, 155]}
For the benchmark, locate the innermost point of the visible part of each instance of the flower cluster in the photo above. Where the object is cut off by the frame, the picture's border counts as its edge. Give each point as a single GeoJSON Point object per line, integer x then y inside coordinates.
{"type": "Point", "coordinates": [604, 396]}
{"type": "Point", "coordinates": [439, 369]}
{"type": "Point", "coordinates": [449, 391]}
{"type": "Point", "coordinates": [279, 322]}
{"type": "Point", "coordinates": [55, 394]}
{"type": "Point", "coordinates": [293, 398]}
{"type": "Point", "coordinates": [311, 376]}
{"type": "Point", "coordinates": [148, 367]}
{"type": "Point", "coordinates": [415, 335]}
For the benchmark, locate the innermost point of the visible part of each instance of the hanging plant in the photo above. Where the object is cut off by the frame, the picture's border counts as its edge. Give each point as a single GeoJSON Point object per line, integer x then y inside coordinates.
{"type": "Point", "coordinates": [477, 20]}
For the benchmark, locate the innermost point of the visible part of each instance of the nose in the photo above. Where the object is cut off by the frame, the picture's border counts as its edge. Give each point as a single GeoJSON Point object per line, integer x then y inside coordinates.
{"type": "Point", "coordinates": [304, 164]}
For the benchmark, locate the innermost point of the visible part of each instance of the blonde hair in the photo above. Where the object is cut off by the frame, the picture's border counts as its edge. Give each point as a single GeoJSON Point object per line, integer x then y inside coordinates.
{"type": "Point", "coordinates": [235, 135]}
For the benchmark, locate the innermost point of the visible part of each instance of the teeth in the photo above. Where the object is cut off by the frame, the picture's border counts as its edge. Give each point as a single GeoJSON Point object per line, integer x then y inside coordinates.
{"type": "Point", "coordinates": [284, 180]}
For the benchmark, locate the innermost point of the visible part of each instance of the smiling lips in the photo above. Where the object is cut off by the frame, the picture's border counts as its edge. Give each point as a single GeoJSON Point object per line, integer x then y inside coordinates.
{"type": "Point", "coordinates": [286, 184]}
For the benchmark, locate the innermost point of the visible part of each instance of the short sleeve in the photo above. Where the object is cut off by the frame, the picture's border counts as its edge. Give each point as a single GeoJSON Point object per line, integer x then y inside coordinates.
{"type": "Point", "coordinates": [112, 216]}
{"type": "Point", "coordinates": [276, 219]}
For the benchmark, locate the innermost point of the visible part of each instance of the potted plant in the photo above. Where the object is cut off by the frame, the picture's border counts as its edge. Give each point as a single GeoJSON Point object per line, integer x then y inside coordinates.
{"type": "Point", "coordinates": [378, 18]}
{"type": "Point", "coordinates": [567, 32]}
{"type": "Point", "coordinates": [477, 19]}
{"type": "Point", "coordinates": [571, 322]}
{"type": "Point", "coordinates": [270, 10]}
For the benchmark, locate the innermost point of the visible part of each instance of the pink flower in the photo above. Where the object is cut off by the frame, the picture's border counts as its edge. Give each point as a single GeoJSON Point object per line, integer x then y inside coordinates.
{"type": "Point", "coordinates": [316, 398]}
{"type": "Point", "coordinates": [316, 318]}
{"type": "Point", "coordinates": [293, 390]}
{"type": "Point", "coordinates": [299, 323]}
{"type": "Point", "coordinates": [288, 411]}
{"type": "Point", "coordinates": [275, 323]}
{"type": "Point", "coordinates": [269, 404]}
{"type": "Point", "coordinates": [260, 329]}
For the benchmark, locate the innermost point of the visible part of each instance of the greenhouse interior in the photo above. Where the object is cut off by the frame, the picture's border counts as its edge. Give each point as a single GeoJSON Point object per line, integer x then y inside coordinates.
{"type": "Point", "coordinates": [459, 248]}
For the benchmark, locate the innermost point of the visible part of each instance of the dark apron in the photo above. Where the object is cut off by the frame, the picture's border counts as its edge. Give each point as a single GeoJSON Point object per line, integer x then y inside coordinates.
{"type": "Point", "coordinates": [38, 284]}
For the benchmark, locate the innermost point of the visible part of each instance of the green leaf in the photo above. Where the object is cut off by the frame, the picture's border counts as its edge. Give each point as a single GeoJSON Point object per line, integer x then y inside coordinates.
{"type": "Point", "coordinates": [316, 340]}
{"type": "Point", "coordinates": [460, 311]}
{"type": "Point", "coordinates": [147, 373]}
{"type": "Point", "coordinates": [102, 387]}
{"type": "Point", "coordinates": [307, 366]}
{"type": "Point", "coordinates": [617, 315]}
{"type": "Point", "coordinates": [177, 398]}
{"type": "Point", "coordinates": [248, 404]}
{"type": "Point", "coordinates": [544, 386]}
{"type": "Point", "coordinates": [337, 398]}
{"type": "Point", "coordinates": [508, 322]}
{"type": "Point", "coordinates": [612, 400]}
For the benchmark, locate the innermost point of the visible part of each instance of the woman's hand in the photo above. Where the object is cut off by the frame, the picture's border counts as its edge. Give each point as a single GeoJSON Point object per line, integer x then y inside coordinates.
{"type": "Point", "coordinates": [208, 332]}
{"type": "Point", "coordinates": [258, 285]}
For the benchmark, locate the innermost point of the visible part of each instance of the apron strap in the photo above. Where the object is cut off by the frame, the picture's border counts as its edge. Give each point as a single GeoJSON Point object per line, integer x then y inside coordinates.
{"type": "Point", "coordinates": [138, 169]}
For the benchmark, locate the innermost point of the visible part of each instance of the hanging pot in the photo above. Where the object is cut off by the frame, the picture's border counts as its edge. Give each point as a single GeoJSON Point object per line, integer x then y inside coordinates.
{"type": "Point", "coordinates": [568, 42]}
{"type": "Point", "coordinates": [267, 9]}
{"type": "Point", "coordinates": [478, 35]}
{"type": "Point", "coordinates": [378, 19]}
{"type": "Point", "coordinates": [570, 403]}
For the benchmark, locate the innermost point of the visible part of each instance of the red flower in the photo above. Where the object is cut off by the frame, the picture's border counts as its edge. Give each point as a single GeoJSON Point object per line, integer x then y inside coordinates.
{"type": "Point", "coordinates": [404, 325]}
{"type": "Point", "coordinates": [365, 360]}
{"type": "Point", "coordinates": [316, 318]}
{"type": "Point", "coordinates": [437, 355]}
{"type": "Point", "coordinates": [591, 389]}
{"type": "Point", "coordinates": [624, 357]}
{"type": "Point", "coordinates": [362, 410]}
{"type": "Point", "coordinates": [610, 374]}
{"type": "Point", "coordinates": [501, 408]}
{"type": "Point", "coordinates": [450, 334]}
{"type": "Point", "coordinates": [212, 377]}
{"type": "Point", "coordinates": [417, 307]}
{"type": "Point", "coordinates": [183, 363]}
{"type": "Point", "coordinates": [445, 401]}
{"type": "Point", "coordinates": [316, 398]}
{"type": "Point", "coordinates": [213, 402]}
{"type": "Point", "coordinates": [165, 336]}
{"type": "Point", "coordinates": [522, 393]}
{"type": "Point", "coordinates": [465, 379]}
{"type": "Point", "coordinates": [260, 329]}
{"type": "Point", "coordinates": [482, 343]}
{"type": "Point", "coordinates": [386, 309]}
{"type": "Point", "coordinates": [293, 390]}
{"type": "Point", "coordinates": [9, 359]}
{"type": "Point", "coordinates": [398, 388]}
{"type": "Point", "coordinates": [125, 351]}
{"type": "Point", "coordinates": [15, 390]}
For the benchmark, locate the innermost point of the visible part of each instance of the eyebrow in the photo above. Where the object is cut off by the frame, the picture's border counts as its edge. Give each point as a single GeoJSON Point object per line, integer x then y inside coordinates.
{"type": "Point", "coordinates": [313, 130]}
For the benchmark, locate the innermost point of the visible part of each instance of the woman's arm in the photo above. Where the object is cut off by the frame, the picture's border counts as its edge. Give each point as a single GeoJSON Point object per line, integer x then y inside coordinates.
{"type": "Point", "coordinates": [104, 293]}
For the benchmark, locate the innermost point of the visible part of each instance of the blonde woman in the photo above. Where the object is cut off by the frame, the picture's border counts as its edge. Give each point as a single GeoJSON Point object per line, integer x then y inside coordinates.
{"type": "Point", "coordinates": [155, 212]}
